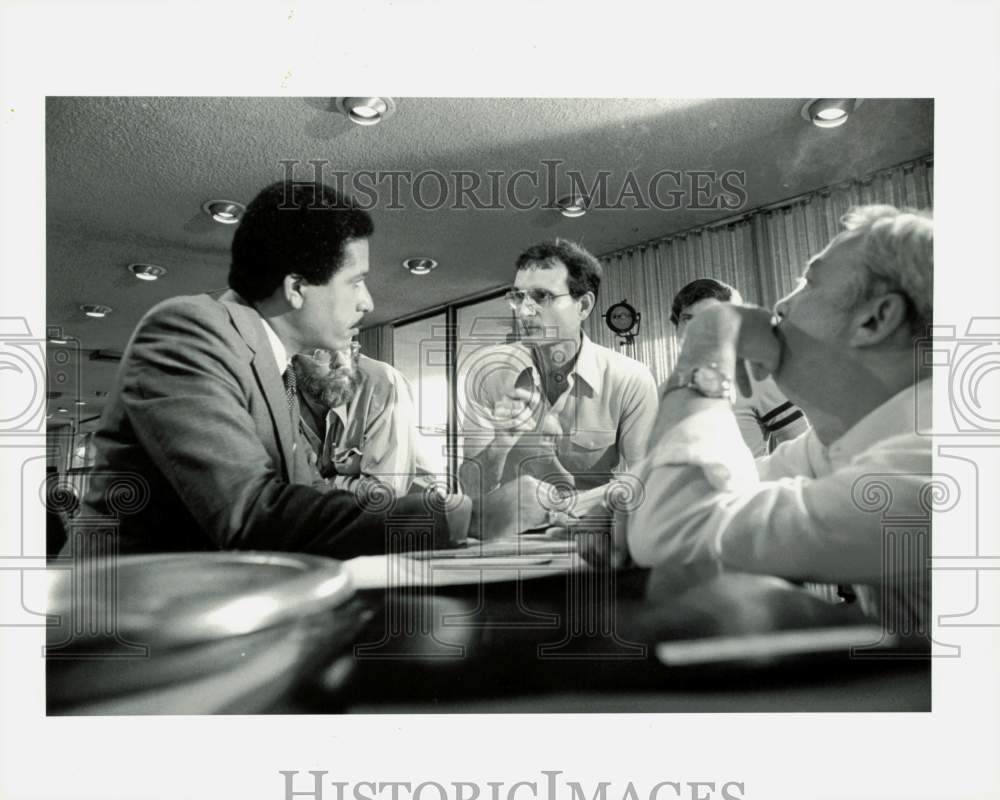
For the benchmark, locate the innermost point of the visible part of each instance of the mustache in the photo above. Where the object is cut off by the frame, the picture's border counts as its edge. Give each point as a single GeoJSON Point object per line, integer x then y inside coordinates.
{"type": "Point", "coordinates": [331, 379]}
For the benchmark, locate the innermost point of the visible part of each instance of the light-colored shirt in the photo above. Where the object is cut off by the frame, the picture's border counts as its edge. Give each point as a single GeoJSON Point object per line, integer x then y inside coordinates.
{"type": "Point", "coordinates": [806, 512]}
{"type": "Point", "coordinates": [280, 352]}
{"type": "Point", "coordinates": [767, 418]}
{"type": "Point", "coordinates": [600, 424]}
{"type": "Point", "coordinates": [371, 436]}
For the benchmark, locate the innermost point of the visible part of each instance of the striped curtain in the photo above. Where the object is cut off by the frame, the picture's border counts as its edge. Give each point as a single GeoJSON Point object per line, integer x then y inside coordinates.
{"type": "Point", "coordinates": [763, 255]}
{"type": "Point", "coordinates": [648, 277]}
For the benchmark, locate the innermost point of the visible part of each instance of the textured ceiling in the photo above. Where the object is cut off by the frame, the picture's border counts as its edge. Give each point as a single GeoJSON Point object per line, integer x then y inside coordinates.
{"type": "Point", "coordinates": [126, 178]}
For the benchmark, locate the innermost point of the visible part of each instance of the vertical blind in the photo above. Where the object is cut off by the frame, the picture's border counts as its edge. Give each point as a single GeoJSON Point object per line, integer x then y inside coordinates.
{"type": "Point", "coordinates": [763, 255]}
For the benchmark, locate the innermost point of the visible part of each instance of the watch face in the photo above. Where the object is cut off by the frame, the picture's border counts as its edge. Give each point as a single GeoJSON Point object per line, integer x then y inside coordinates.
{"type": "Point", "coordinates": [710, 382]}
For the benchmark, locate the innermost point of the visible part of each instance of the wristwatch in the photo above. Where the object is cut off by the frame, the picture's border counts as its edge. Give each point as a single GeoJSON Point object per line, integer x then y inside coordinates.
{"type": "Point", "coordinates": [706, 379]}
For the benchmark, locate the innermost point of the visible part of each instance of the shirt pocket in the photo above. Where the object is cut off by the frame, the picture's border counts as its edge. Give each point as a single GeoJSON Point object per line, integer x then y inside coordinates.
{"type": "Point", "coordinates": [593, 441]}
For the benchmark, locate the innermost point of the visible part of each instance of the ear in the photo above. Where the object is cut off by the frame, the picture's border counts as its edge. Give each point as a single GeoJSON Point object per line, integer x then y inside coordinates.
{"type": "Point", "coordinates": [878, 319]}
{"type": "Point", "coordinates": [587, 303]}
{"type": "Point", "coordinates": [291, 288]}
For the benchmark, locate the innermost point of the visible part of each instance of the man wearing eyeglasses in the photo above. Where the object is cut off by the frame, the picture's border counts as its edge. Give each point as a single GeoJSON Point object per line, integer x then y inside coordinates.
{"type": "Point", "coordinates": [556, 414]}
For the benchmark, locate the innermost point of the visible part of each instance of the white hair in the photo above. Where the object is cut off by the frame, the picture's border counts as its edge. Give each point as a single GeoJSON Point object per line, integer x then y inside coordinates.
{"type": "Point", "coordinates": [898, 254]}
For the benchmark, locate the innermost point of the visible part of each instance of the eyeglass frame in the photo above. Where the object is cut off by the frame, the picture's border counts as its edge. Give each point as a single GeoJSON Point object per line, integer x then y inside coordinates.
{"type": "Point", "coordinates": [525, 294]}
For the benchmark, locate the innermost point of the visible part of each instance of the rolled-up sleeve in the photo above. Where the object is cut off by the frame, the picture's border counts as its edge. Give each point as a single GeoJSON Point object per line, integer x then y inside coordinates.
{"type": "Point", "coordinates": [704, 510]}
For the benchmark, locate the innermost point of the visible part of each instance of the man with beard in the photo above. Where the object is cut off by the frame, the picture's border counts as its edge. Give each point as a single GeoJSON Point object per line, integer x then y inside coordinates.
{"type": "Point", "coordinates": [356, 417]}
{"type": "Point", "coordinates": [555, 416]}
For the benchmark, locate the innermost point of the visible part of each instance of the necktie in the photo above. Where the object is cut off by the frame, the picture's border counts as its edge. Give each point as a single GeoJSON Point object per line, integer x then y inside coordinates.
{"type": "Point", "coordinates": [291, 385]}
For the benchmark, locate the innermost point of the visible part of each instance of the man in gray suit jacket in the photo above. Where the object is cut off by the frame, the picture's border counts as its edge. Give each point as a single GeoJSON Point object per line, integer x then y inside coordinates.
{"type": "Point", "coordinates": [196, 447]}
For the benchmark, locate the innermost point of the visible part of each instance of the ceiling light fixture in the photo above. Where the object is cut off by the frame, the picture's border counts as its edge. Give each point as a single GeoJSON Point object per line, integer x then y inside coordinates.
{"type": "Point", "coordinates": [58, 340]}
{"type": "Point", "coordinates": [80, 402]}
{"type": "Point", "coordinates": [96, 311]}
{"type": "Point", "coordinates": [62, 410]}
{"type": "Point", "coordinates": [147, 272]}
{"type": "Point", "coordinates": [829, 113]}
{"type": "Point", "coordinates": [572, 206]}
{"type": "Point", "coordinates": [420, 266]}
{"type": "Point", "coordinates": [228, 212]}
{"type": "Point", "coordinates": [366, 110]}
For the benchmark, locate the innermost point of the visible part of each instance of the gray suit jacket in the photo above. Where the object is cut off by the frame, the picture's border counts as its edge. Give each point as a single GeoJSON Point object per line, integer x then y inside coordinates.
{"type": "Point", "coordinates": [196, 447]}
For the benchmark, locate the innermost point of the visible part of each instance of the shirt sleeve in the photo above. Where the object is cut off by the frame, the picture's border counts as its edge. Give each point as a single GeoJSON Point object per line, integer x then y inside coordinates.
{"type": "Point", "coordinates": [388, 450]}
{"type": "Point", "coordinates": [779, 419]}
{"type": "Point", "coordinates": [702, 510]}
{"type": "Point", "coordinates": [638, 416]}
{"type": "Point", "coordinates": [749, 425]}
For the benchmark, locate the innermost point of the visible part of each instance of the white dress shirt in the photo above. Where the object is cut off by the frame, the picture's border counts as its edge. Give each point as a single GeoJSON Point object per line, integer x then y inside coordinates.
{"type": "Point", "coordinates": [281, 356]}
{"type": "Point", "coordinates": [806, 512]}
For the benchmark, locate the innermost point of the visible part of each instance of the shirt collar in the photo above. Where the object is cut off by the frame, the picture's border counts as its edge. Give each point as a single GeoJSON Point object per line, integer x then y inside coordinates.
{"type": "Point", "coordinates": [896, 416]}
{"type": "Point", "coordinates": [280, 353]}
{"type": "Point", "coordinates": [586, 367]}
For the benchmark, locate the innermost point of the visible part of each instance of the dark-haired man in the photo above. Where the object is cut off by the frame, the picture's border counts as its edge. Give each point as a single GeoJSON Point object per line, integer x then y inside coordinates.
{"type": "Point", "coordinates": [766, 417]}
{"type": "Point", "coordinates": [202, 420]}
{"type": "Point", "coordinates": [555, 408]}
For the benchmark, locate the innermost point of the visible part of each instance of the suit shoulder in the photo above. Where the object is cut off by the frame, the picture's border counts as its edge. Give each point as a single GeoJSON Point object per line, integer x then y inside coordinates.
{"type": "Point", "coordinates": [200, 307]}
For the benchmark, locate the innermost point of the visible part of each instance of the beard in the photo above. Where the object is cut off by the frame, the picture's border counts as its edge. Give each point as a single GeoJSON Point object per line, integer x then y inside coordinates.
{"type": "Point", "coordinates": [330, 379]}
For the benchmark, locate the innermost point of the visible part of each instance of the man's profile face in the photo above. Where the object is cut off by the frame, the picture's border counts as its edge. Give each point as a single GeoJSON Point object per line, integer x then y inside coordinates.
{"type": "Point", "coordinates": [688, 313]}
{"type": "Point", "coordinates": [559, 318]}
{"type": "Point", "coordinates": [332, 312]}
{"type": "Point", "coordinates": [823, 303]}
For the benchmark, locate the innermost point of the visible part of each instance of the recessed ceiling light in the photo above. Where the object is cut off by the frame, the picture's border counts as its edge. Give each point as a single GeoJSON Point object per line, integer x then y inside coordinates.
{"type": "Point", "coordinates": [573, 206]}
{"type": "Point", "coordinates": [147, 272]}
{"type": "Point", "coordinates": [96, 311]}
{"type": "Point", "coordinates": [80, 402]}
{"type": "Point", "coordinates": [420, 266]}
{"type": "Point", "coordinates": [829, 113]}
{"type": "Point", "coordinates": [366, 110]}
{"type": "Point", "coordinates": [228, 212]}
{"type": "Point", "coordinates": [62, 410]}
{"type": "Point", "coordinates": [58, 340]}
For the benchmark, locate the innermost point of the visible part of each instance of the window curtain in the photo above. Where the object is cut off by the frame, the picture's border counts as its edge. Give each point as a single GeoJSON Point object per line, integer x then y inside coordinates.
{"type": "Point", "coordinates": [787, 236]}
{"type": "Point", "coordinates": [376, 342]}
{"type": "Point", "coordinates": [763, 255]}
{"type": "Point", "coordinates": [648, 277]}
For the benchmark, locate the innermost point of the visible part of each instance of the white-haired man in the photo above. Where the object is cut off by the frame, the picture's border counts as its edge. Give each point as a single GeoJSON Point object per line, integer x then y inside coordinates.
{"type": "Point", "coordinates": [843, 351]}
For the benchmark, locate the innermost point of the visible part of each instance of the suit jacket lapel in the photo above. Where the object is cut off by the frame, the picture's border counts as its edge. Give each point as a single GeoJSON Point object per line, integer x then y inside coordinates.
{"type": "Point", "coordinates": [248, 323]}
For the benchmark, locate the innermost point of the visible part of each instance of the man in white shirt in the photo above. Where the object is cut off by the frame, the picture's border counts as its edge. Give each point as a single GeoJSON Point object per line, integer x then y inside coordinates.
{"type": "Point", "coordinates": [555, 414]}
{"type": "Point", "coordinates": [766, 418]}
{"type": "Point", "coordinates": [843, 350]}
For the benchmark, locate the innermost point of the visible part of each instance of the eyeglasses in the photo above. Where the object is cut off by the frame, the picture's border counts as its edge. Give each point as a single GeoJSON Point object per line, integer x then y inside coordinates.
{"type": "Point", "coordinates": [538, 297]}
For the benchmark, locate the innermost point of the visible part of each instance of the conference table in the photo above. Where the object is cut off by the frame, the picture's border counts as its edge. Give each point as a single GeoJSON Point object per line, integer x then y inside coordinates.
{"type": "Point", "coordinates": [528, 629]}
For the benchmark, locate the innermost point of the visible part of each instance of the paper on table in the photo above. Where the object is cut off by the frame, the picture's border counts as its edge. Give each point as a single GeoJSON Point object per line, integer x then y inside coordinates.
{"type": "Point", "coordinates": [382, 572]}
{"type": "Point", "coordinates": [524, 545]}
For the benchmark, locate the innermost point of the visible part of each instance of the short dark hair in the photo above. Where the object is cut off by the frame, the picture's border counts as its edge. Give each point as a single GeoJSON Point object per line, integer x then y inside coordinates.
{"type": "Point", "coordinates": [698, 290]}
{"type": "Point", "coordinates": [293, 226]}
{"type": "Point", "coordinates": [584, 269]}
